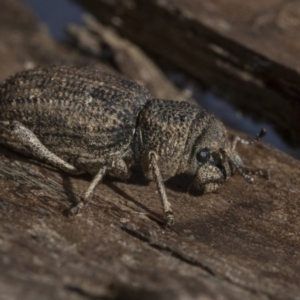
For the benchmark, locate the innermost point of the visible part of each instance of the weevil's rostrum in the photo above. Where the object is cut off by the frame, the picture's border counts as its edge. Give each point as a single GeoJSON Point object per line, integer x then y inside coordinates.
{"type": "Point", "coordinates": [86, 121]}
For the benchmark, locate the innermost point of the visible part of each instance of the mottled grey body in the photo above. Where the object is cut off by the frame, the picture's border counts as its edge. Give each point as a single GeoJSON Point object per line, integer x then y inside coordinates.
{"type": "Point", "coordinates": [75, 113]}
{"type": "Point", "coordinates": [87, 121]}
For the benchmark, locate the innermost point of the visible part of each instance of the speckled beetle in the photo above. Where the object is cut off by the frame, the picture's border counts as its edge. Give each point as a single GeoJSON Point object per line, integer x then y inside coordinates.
{"type": "Point", "coordinates": [86, 121]}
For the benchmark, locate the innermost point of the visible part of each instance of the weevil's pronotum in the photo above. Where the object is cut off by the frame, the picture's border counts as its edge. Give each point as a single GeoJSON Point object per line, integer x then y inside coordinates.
{"type": "Point", "coordinates": [85, 121]}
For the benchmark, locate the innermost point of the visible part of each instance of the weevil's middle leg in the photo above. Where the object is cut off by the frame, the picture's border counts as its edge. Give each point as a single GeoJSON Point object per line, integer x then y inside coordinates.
{"type": "Point", "coordinates": [21, 139]}
{"type": "Point", "coordinates": [87, 195]}
{"type": "Point", "coordinates": [117, 166]}
{"type": "Point", "coordinates": [168, 212]}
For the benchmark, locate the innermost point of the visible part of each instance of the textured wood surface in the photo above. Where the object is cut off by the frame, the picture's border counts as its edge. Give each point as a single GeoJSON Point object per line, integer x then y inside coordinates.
{"type": "Point", "coordinates": [101, 41]}
{"type": "Point", "coordinates": [241, 242]}
{"type": "Point", "coordinates": [246, 49]}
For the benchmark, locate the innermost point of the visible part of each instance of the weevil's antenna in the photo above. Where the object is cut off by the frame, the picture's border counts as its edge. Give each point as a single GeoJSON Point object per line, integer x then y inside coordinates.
{"type": "Point", "coordinates": [237, 139]}
{"type": "Point", "coordinates": [241, 169]}
{"type": "Point", "coordinates": [244, 171]}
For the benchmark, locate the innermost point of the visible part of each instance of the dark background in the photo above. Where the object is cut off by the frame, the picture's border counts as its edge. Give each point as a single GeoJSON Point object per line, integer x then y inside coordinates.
{"type": "Point", "coordinates": [57, 14]}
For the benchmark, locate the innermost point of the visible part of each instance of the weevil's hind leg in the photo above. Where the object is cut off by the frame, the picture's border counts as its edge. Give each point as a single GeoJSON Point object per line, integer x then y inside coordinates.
{"type": "Point", "coordinates": [168, 212]}
{"type": "Point", "coordinates": [19, 138]}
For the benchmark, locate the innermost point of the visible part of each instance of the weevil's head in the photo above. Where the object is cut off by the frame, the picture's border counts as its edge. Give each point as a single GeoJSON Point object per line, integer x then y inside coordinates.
{"type": "Point", "coordinates": [211, 156]}
{"type": "Point", "coordinates": [186, 139]}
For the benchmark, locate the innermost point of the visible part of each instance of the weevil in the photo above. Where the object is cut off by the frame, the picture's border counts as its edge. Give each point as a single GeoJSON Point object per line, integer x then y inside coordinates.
{"type": "Point", "coordinates": [84, 121]}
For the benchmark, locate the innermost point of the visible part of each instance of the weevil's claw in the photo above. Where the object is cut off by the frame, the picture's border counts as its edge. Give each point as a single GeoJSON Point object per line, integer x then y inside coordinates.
{"type": "Point", "coordinates": [169, 219]}
{"type": "Point", "coordinates": [248, 178]}
{"type": "Point", "coordinates": [74, 210]}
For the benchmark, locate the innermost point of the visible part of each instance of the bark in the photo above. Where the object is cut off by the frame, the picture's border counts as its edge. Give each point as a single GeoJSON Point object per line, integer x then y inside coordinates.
{"type": "Point", "coordinates": [248, 50]}
{"type": "Point", "coordinates": [241, 242]}
{"type": "Point", "coordinates": [102, 42]}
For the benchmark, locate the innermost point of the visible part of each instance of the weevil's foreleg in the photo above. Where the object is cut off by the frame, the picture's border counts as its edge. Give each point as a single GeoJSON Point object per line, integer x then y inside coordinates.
{"type": "Point", "coordinates": [168, 212]}
{"type": "Point", "coordinates": [245, 171]}
{"type": "Point", "coordinates": [260, 172]}
{"type": "Point", "coordinates": [240, 168]}
{"type": "Point", "coordinates": [19, 138]}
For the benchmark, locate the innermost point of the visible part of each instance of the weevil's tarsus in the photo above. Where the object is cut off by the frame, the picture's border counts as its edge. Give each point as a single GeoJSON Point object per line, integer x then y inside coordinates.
{"type": "Point", "coordinates": [260, 172]}
{"type": "Point", "coordinates": [168, 212]}
{"type": "Point", "coordinates": [74, 210]}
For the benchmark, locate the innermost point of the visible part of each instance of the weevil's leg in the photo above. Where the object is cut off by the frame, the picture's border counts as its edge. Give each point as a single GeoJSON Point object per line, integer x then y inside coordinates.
{"type": "Point", "coordinates": [237, 139]}
{"type": "Point", "coordinates": [18, 137]}
{"type": "Point", "coordinates": [245, 171]}
{"type": "Point", "coordinates": [168, 212]}
{"type": "Point", "coordinates": [118, 167]}
{"type": "Point", "coordinates": [240, 168]}
{"type": "Point", "coordinates": [99, 176]}
{"type": "Point", "coordinates": [261, 172]}
{"type": "Point", "coordinates": [87, 195]}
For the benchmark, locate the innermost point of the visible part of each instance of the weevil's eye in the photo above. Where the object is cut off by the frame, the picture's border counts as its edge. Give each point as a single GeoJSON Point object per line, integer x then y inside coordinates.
{"type": "Point", "coordinates": [203, 156]}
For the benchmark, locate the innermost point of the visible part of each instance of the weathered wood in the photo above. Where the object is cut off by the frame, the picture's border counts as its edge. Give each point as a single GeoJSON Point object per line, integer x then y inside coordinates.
{"type": "Point", "coordinates": [241, 242]}
{"type": "Point", "coordinates": [25, 44]}
{"type": "Point", "coordinates": [129, 59]}
{"type": "Point", "coordinates": [247, 49]}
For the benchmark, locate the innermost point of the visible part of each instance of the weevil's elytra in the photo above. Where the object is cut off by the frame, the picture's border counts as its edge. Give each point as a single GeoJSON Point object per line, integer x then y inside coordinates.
{"type": "Point", "coordinates": [86, 121]}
